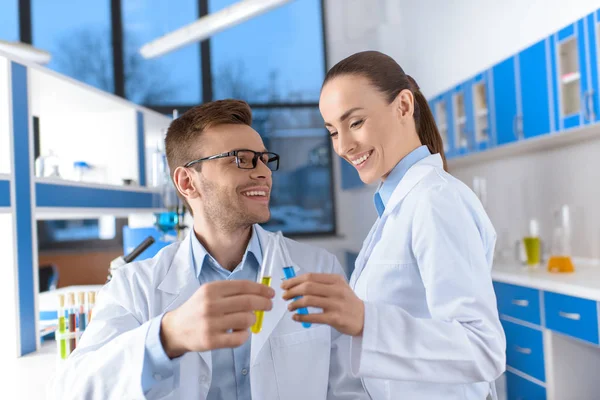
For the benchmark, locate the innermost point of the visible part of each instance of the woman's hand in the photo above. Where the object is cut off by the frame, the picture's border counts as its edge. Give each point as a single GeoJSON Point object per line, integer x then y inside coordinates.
{"type": "Point", "coordinates": [342, 309]}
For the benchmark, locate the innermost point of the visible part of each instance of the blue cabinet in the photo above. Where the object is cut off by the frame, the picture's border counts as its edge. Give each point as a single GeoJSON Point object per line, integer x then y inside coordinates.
{"type": "Point", "coordinates": [479, 111]}
{"type": "Point", "coordinates": [441, 108]}
{"type": "Point", "coordinates": [572, 75]}
{"type": "Point", "coordinates": [505, 101]}
{"type": "Point", "coordinates": [518, 302]}
{"type": "Point", "coordinates": [521, 389]}
{"type": "Point", "coordinates": [460, 121]}
{"type": "Point", "coordinates": [535, 90]}
{"type": "Point", "coordinates": [525, 349]}
{"type": "Point", "coordinates": [572, 316]}
{"type": "Point", "coordinates": [593, 51]}
{"type": "Point", "coordinates": [551, 86]}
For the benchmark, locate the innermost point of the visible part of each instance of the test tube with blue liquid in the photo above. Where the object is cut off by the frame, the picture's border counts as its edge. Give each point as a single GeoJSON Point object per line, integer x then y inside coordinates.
{"type": "Point", "coordinates": [289, 272]}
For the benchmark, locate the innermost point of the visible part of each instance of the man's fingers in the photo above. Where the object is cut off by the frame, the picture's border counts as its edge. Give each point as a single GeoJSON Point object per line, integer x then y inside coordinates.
{"type": "Point", "coordinates": [236, 288]}
{"type": "Point", "coordinates": [231, 339]}
{"type": "Point", "coordinates": [315, 318]}
{"type": "Point", "coordinates": [312, 301]}
{"type": "Point", "coordinates": [236, 322]}
{"type": "Point", "coordinates": [327, 279]}
{"type": "Point", "coordinates": [247, 302]}
{"type": "Point", "coordinates": [310, 288]}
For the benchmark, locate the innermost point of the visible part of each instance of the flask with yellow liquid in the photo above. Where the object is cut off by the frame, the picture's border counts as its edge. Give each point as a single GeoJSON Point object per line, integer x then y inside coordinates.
{"type": "Point", "coordinates": [560, 257]}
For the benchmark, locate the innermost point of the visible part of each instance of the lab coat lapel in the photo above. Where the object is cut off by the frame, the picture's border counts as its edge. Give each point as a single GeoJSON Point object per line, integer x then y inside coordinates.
{"type": "Point", "coordinates": [271, 318]}
{"type": "Point", "coordinates": [412, 177]}
{"type": "Point", "coordinates": [180, 283]}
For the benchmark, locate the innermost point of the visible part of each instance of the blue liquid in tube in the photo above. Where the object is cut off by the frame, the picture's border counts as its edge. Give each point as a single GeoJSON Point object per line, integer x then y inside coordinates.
{"type": "Point", "coordinates": [289, 274]}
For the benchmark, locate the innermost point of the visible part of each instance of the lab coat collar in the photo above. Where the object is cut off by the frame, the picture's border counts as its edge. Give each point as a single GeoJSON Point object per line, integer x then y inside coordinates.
{"type": "Point", "coordinates": [181, 283]}
{"type": "Point", "coordinates": [413, 176]}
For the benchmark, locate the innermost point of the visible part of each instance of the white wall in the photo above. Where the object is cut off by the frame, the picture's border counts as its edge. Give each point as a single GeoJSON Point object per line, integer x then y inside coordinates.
{"type": "Point", "coordinates": [449, 41]}
{"type": "Point", "coordinates": [4, 117]}
{"type": "Point", "coordinates": [441, 43]}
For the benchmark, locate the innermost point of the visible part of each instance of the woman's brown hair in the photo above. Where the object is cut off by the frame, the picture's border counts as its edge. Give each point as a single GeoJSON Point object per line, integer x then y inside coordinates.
{"type": "Point", "coordinates": [389, 78]}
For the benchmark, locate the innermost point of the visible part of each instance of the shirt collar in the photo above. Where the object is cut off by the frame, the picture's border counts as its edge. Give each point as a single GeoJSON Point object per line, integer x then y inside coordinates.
{"type": "Point", "coordinates": [200, 255]}
{"type": "Point", "coordinates": [386, 188]}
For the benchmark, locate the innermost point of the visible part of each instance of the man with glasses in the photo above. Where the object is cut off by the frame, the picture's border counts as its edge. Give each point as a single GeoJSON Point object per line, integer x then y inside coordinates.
{"type": "Point", "coordinates": [177, 325]}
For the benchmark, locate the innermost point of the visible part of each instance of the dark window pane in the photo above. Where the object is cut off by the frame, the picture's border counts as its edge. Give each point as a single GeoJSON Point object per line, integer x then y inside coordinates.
{"type": "Point", "coordinates": [302, 199]}
{"type": "Point", "coordinates": [9, 20]}
{"type": "Point", "coordinates": [275, 57]}
{"type": "Point", "coordinates": [173, 78]}
{"type": "Point", "coordinates": [78, 36]}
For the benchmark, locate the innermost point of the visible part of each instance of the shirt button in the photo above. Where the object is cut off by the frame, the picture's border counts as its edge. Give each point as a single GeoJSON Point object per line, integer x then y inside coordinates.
{"type": "Point", "coordinates": [158, 377]}
{"type": "Point", "coordinates": [244, 371]}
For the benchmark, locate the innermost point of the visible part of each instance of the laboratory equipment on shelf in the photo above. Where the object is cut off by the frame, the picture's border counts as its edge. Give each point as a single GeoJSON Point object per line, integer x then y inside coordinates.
{"type": "Point", "coordinates": [72, 320]}
{"type": "Point", "coordinates": [270, 258]}
{"type": "Point", "coordinates": [122, 260]}
{"type": "Point", "coordinates": [80, 168]}
{"type": "Point", "coordinates": [560, 252]}
{"type": "Point", "coordinates": [533, 245]}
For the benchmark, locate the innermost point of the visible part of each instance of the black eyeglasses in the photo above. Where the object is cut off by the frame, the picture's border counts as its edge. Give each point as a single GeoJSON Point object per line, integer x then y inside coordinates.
{"type": "Point", "coordinates": [245, 159]}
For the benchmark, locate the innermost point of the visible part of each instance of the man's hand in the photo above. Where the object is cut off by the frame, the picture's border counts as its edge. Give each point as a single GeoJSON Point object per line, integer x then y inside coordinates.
{"type": "Point", "coordinates": [217, 316]}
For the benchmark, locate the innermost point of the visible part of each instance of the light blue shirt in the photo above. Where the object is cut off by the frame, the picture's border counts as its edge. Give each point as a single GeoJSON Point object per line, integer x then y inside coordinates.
{"type": "Point", "coordinates": [230, 367]}
{"type": "Point", "coordinates": [383, 194]}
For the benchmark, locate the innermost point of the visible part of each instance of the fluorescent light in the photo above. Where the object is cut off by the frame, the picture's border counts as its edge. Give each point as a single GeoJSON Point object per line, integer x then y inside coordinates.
{"type": "Point", "coordinates": [208, 26]}
{"type": "Point", "coordinates": [25, 51]}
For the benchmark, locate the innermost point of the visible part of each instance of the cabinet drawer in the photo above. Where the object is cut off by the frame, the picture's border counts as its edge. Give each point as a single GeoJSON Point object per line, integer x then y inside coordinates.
{"type": "Point", "coordinates": [524, 349]}
{"type": "Point", "coordinates": [571, 316]}
{"type": "Point", "coordinates": [518, 302]}
{"type": "Point", "coordinates": [518, 388]}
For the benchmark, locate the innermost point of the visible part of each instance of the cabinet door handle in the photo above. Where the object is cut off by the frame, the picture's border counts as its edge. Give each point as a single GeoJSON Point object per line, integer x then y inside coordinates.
{"type": "Point", "coordinates": [522, 350]}
{"type": "Point", "coordinates": [517, 127]}
{"type": "Point", "coordinates": [521, 303]}
{"type": "Point", "coordinates": [572, 316]}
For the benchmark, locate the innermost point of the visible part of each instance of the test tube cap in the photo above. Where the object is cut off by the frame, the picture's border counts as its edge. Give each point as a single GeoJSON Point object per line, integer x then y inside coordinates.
{"type": "Point", "coordinates": [81, 297]}
{"type": "Point", "coordinates": [61, 300]}
{"type": "Point", "coordinates": [71, 298]}
{"type": "Point", "coordinates": [91, 297]}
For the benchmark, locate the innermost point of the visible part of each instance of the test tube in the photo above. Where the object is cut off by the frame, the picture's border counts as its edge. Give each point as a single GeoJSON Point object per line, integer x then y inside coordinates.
{"type": "Point", "coordinates": [266, 272]}
{"type": "Point", "coordinates": [91, 304]}
{"type": "Point", "coordinates": [290, 273]}
{"type": "Point", "coordinates": [82, 313]}
{"type": "Point", "coordinates": [62, 326]}
{"type": "Point", "coordinates": [72, 323]}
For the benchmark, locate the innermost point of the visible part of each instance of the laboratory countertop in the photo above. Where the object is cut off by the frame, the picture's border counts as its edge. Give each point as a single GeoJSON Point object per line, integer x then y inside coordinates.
{"type": "Point", "coordinates": [584, 282]}
{"type": "Point", "coordinates": [28, 376]}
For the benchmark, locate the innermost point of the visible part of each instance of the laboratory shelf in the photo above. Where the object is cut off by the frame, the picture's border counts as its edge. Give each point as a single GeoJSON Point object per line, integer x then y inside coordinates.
{"type": "Point", "coordinates": [57, 196]}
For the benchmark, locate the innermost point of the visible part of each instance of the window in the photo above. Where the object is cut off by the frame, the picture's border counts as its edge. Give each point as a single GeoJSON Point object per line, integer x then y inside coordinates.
{"type": "Point", "coordinates": [105, 233]}
{"type": "Point", "coordinates": [170, 79]}
{"type": "Point", "coordinates": [78, 36]}
{"type": "Point", "coordinates": [9, 20]}
{"type": "Point", "coordinates": [272, 58]}
{"type": "Point", "coordinates": [302, 199]}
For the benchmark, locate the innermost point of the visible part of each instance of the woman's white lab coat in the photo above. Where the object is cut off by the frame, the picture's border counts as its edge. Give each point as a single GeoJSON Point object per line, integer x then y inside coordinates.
{"type": "Point", "coordinates": [287, 361]}
{"type": "Point", "coordinates": [431, 323]}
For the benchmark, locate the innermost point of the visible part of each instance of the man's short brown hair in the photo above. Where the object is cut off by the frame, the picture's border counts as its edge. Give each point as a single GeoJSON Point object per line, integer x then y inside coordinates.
{"type": "Point", "coordinates": [181, 142]}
